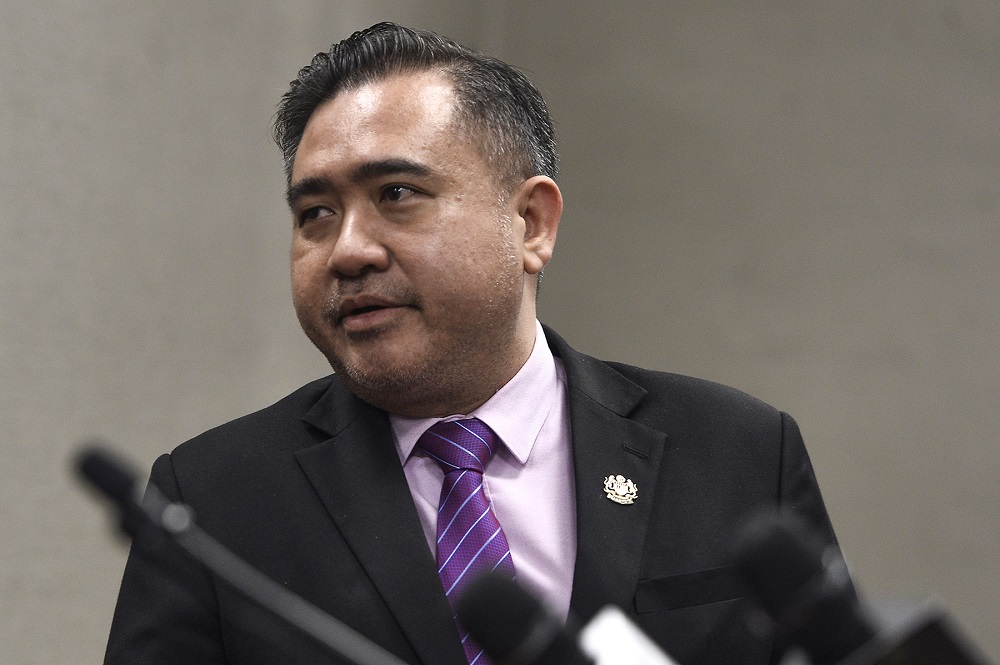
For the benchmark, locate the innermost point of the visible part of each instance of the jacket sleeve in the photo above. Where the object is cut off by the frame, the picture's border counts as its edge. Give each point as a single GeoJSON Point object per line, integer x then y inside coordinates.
{"type": "Point", "coordinates": [798, 490]}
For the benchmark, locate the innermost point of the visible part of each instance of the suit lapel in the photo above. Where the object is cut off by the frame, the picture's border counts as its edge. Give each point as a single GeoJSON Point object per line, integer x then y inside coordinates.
{"type": "Point", "coordinates": [358, 477]}
{"type": "Point", "coordinates": [610, 536]}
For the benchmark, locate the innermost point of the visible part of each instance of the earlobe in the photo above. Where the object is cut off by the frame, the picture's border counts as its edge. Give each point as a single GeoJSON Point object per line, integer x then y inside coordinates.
{"type": "Point", "coordinates": [540, 206]}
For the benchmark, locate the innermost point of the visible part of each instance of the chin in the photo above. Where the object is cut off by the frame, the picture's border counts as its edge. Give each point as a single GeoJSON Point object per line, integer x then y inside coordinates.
{"type": "Point", "coordinates": [384, 392]}
{"type": "Point", "coordinates": [405, 386]}
{"type": "Point", "coordinates": [375, 373]}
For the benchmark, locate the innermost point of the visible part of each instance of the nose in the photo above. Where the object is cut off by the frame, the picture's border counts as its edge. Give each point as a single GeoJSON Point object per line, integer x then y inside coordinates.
{"type": "Point", "coordinates": [359, 247]}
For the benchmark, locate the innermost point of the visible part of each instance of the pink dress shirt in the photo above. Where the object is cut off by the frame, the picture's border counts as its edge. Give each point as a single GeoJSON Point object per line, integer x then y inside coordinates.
{"type": "Point", "coordinates": [529, 480]}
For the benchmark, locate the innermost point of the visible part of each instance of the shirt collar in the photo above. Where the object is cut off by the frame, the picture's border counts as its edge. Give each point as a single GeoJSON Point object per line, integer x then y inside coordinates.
{"type": "Point", "coordinates": [515, 413]}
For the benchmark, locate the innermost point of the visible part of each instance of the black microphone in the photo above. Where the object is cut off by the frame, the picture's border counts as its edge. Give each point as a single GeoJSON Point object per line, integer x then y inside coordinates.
{"type": "Point", "coordinates": [805, 587]}
{"type": "Point", "coordinates": [515, 628]}
{"type": "Point", "coordinates": [106, 473]}
{"type": "Point", "coordinates": [116, 479]}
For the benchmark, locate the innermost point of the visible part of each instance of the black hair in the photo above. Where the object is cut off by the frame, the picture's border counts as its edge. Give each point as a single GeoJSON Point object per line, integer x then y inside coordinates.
{"type": "Point", "coordinates": [499, 108]}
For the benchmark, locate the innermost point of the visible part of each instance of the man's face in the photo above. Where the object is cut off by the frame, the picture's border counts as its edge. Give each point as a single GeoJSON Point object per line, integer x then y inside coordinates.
{"type": "Point", "coordinates": [408, 260]}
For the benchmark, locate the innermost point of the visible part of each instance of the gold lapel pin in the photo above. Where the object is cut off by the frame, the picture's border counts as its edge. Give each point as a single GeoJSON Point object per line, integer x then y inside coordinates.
{"type": "Point", "coordinates": [620, 489]}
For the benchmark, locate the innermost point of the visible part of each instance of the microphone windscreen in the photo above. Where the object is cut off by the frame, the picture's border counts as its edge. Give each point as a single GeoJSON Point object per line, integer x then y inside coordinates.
{"type": "Point", "coordinates": [778, 558]}
{"type": "Point", "coordinates": [107, 473]}
{"type": "Point", "coordinates": [513, 626]}
{"type": "Point", "coordinates": [805, 587]}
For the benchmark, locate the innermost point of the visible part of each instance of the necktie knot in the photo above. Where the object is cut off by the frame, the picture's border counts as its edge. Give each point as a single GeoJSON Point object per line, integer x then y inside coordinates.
{"type": "Point", "coordinates": [460, 444]}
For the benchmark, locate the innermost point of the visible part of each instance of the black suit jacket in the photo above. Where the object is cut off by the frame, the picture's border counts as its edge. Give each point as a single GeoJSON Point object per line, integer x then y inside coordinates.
{"type": "Point", "coordinates": [311, 491]}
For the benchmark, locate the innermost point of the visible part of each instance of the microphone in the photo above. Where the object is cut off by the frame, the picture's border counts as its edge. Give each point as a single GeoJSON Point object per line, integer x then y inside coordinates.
{"type": "Point", "coordinates": [515, 628]}
{"type": "Point", "coordinates": [154, 515]}
{"type": "Point", "coordinates": [804, 587]}
{"type": "Point", "coordinates": [107, 473]}
{"type": "Point", "coordinates": [806, 590]}
{"type": "Point", "coordinates": [116, 479]}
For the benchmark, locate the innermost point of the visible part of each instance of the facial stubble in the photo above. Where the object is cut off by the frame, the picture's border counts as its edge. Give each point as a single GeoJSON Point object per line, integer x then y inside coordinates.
{"type": "Point", "coordinates": [443, 373]}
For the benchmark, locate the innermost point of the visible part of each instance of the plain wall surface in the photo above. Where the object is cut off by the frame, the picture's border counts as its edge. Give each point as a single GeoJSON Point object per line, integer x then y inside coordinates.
{"type": "Point", "coordinates": [796, 199]}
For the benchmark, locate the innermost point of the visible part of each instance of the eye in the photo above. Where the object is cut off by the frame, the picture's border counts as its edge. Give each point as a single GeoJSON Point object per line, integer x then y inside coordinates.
{"type": "Point", "coordinates": [313, 213]}
{"type": "Point", "coordinates": [397, 193]}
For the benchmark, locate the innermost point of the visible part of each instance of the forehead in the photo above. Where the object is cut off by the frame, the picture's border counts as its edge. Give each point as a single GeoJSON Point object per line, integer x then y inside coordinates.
{"type": "Point", "coordinates": [408, 115]}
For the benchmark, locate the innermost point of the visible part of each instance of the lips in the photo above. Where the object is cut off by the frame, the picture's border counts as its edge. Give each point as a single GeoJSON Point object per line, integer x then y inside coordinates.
{"type": "Point", "coordinates": [356, 306]}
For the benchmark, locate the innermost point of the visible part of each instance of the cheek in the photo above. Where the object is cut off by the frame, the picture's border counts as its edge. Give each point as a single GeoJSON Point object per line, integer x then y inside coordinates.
{"type": "Point", "coordinates": [300, 288]}
{"type": "Point", "coordinates": [308, 266]}
{"type": "Point", "coordinates": [308, 289]}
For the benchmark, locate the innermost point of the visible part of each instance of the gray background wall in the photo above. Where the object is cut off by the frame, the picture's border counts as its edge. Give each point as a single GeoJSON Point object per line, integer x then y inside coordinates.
{"type": "Point", "coordinates": [799, 199]}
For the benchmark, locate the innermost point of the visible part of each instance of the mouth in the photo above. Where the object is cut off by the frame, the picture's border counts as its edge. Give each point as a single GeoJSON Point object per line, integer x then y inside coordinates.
{"type": "Point", "coordinates": [363, 311]}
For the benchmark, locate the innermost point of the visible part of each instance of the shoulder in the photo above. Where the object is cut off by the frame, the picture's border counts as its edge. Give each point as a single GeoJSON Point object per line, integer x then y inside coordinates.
{"type": "Point", "coordinates": [707, 411]}
{"type": "Point", "coordinates": [652, 395]}
{"type": "Point", "coordinates": [256, 440]}
{"type": "Point", "coordinates": [282, 417]}
{"type": "Point", "coordinates": [689, 392]}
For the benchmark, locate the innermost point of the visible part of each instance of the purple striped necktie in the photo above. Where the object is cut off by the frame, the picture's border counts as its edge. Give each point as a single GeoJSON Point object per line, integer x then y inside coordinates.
{"type": "Point", "coordinates": [469, 538]}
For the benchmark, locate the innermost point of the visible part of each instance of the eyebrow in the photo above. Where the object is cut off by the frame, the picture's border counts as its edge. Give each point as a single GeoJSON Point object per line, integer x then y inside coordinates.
{"type": "Point", "coordinates": [365, 171]}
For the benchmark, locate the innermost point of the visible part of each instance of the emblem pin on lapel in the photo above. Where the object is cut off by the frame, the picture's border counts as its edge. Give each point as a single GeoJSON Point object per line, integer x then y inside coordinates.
{"type": "Point", "coordinates": [620, 489]}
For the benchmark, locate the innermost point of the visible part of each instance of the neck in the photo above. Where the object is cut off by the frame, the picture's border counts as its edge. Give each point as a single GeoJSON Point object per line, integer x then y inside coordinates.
{"type": "Point", "coordinates": [482, 381]}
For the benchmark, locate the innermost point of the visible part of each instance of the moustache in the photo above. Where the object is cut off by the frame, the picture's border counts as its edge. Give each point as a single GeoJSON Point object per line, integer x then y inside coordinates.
{"type": "Point", "coordinates": [367, 292]}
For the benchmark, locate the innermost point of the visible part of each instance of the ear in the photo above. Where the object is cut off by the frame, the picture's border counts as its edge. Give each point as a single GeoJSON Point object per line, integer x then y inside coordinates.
{"type": "Point", "coordinates": [539, 204]}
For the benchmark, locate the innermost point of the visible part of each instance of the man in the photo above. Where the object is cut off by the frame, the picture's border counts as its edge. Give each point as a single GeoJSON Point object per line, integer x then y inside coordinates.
{"type": "Point", "coordinates": [420, 181]}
